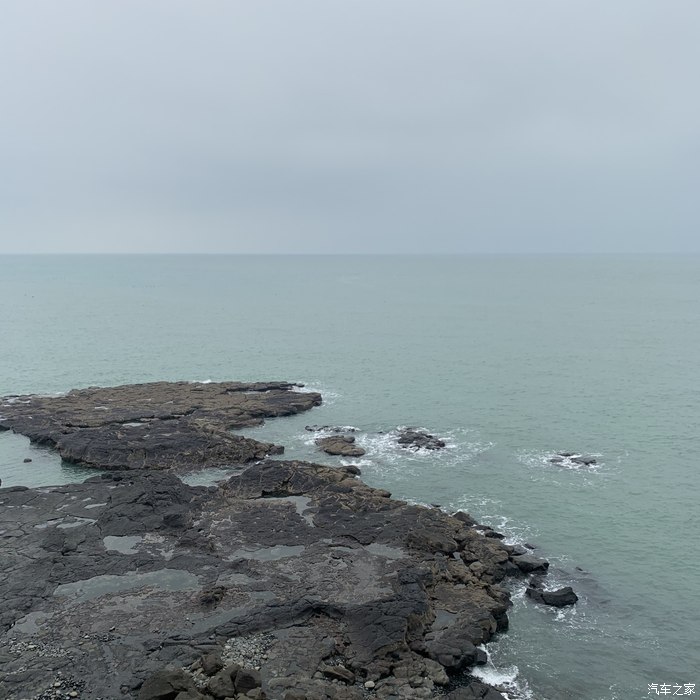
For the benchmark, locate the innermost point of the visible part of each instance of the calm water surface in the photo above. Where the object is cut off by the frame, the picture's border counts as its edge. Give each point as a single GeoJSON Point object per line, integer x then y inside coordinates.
{"type": "Point", "coordinates": [509, 358]}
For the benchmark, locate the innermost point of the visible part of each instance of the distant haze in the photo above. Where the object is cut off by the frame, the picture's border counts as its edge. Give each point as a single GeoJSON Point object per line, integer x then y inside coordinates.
{"type": "Point", "coordinates": [331, 126]}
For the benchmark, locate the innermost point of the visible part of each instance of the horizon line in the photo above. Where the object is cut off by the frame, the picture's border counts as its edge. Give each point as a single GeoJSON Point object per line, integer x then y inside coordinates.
{"type": "Point", "coordinates": [345, 254]}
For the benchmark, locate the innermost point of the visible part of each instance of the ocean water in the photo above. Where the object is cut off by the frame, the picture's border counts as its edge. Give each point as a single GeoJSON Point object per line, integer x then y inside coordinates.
{"type": "Point", "coordinates": [511, 359]}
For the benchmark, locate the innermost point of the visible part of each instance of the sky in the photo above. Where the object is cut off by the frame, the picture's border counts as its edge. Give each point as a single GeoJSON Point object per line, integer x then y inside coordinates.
{"type": "Point", "coordinates": [349, 126]}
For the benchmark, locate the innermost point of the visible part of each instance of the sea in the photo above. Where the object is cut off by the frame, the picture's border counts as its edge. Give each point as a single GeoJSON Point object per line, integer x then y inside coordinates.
{"type": "Point", "coordinates": [510, 359]}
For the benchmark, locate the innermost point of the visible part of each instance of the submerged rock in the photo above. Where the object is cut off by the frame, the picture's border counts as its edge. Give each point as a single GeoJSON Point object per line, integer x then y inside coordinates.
{"type": "Point", "coordinates": [329, 429]}
{"type": "Point", "coordinates": [572, 457]}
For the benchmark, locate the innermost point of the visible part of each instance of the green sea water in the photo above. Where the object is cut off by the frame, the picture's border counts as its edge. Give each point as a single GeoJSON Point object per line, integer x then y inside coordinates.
{"type": "Point", "coordinates": [511, 359]}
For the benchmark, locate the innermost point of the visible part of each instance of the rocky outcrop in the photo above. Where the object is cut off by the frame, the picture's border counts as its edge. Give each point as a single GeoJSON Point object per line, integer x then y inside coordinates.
{"type": "Point", "coordinates": [527, 563]}
{"type": "Point", "coordinates": [163, 425]}
{"type": "Point", "coordinates": [297, 572]}
{"type": "Point", "coordinates": [573, 458]}
{"type": "Point", "coordinates": [329, 429]}
{"type": "Point", "coordinates": [558, 598]}
{"type": "Point", "coordinates": [288, 580]}
{"type": "Point", "coordinates": [419, 440]}
{"type": "Point", "coordinates": [343, 445]}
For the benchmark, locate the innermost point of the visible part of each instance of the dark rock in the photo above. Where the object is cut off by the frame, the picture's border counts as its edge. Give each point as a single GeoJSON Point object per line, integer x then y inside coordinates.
{"type": "Point", "coordinates": [559, 598]}
{"type": "Point", "coordinates": [340, 445]}
{"type": "Point", "coordinates": [353, 469]}
{"type": "Point", "coordinates": [221, 685]}
{"type": "Point", "coordinates": [166, 684]}
{"type": "Point", "coordinates": [211, 663]}
{"type": "Point", "coordinates": [151, 572]}
{"type": "Point", "coordinates": [465, 518]}
{"type": "Point", "coordinates": [566, 454]}
{"type": "Point", "coordinates": [475, 690]}
{"type": "Point", "coordinates": [177, 518]}
{"type": "Point", "coordinates": [247, 679]}
{"type": "Point", "coordinates": [586, 461]}
{"type": "Point", "coordinates": [339, 673]}
{"type": "Point", "coordinates": [26, 460]}
{"type": "Point", "coordinates": [163, 425]}
{"type": "Point", "coordinates": [256, 694]}
{"type": "Point", "coordinates": [432, 540]}
{"type": "Point", "coordinates": [329, 429]}
{"type": "Point", "coordinates": [419, 439]}
{"type": "Point", "coordinates": [527, 563]}
{"type": "Point", "coordinates": [211, 597]}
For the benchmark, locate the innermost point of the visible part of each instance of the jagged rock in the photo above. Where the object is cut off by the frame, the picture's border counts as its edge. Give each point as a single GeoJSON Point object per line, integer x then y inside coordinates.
{"type": "Point", "coordinates": [476, 690]}
{"type": "Point", "coordinates": [221, 685]}
{"type": "Point", "coordinates": [338, 673]}
{"type": "Point", "coordinates": [420, 439]}
{"type": "Point", "coordinates": [167, 684]}
{"type": "Point", "coordinates": [559, 598]}
{"type": "Point", "coordinates": [247, 679]}
{"type": "Point", "coordinates": [465, 518]}
{"type": "Point", "coordinates": [211, 663]}
{"type": "Point", "coordinates": [343, 445]}
{"type": "Point", "coordinates": [527, 563]}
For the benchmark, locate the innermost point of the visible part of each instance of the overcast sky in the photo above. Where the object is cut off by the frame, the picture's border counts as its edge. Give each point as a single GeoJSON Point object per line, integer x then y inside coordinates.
{"type": "Point", "coordinates": [349, 126]}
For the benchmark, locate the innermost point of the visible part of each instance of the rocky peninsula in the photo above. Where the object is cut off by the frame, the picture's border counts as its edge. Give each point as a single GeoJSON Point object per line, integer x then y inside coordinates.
{"type": "Point", "coordinates": [288, 580]}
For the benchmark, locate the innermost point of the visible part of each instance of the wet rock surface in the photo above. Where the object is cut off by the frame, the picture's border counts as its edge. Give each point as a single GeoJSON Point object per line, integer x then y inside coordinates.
{"type": "Point", "coordinates": [343, 445]}
{"type": "Point", "coordinates": [162, 425]}
{"type": "Point", "coordinates": [558, 598]}
{"type": "Point", "coordinates": [573, 458]}
{"type": "Point", "coordinates": [415, 439]}
{"type": "Point", "coordinates": [288, 580]}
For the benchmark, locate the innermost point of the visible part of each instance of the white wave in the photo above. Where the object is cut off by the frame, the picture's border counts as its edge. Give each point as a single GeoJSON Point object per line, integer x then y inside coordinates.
{"type": "Point", "coordinates": [357, 462]}
{"type": "Point", "coordinates": [489, 511]}
{"type": "Point", "coordinates": [384, 446]}
{"type": "Point", "coordinates": [329, 397]}
{"type": "Point", "coordinates": [309, 437]}
{"type": "Point", "coordinates": [544, 459]}
{"type": "Point", "coordinates": [506, 679]}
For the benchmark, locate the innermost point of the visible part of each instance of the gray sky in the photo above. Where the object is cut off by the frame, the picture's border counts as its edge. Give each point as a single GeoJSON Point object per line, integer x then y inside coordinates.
{"type": "Point", "coordinates": [349, 126]}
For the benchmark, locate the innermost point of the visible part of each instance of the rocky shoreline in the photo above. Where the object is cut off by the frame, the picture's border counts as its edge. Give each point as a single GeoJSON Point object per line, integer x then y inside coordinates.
{"type": "Point", "coordinates": [289, 580]}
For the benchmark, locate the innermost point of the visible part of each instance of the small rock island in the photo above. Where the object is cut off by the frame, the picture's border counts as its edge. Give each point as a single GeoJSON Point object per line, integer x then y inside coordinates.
{"type": "Point", "coordinates": [288, 580]}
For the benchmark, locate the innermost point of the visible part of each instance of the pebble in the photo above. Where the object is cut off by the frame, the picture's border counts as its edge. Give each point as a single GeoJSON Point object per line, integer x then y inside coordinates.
{"type": "Point", "coordinates": [369, 685]}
